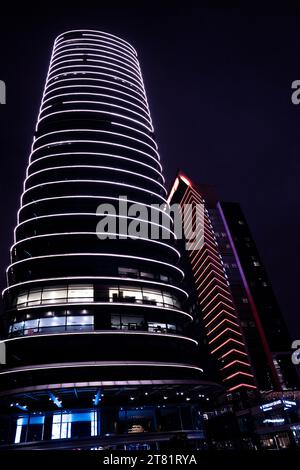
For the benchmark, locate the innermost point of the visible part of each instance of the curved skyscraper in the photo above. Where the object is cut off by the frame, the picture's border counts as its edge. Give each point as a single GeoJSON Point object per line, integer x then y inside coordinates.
{"type": "Point", "coordinates": [97, 327]}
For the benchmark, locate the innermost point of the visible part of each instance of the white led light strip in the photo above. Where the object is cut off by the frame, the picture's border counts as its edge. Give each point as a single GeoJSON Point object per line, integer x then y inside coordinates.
{"type": "Point", "coordinates": [95, 167]}
{"type": "Point", "coordinates": [63, 234]}
{"type": "Point", "coordinates": [96, 131]}
{"type": "Point", "coordinates": [100, 364]}
{"type": "Point", "coordinates": [96, 33]}
{"type": "Point", "coordinates": [116, 183]}
{"type": "Point", "coordinates": [85, 196]}
{"type": "Point", "coordinates": [100, 40]}
{"type": "Point", "coordinates": [109, 255]}
{"type": "Point", "coordinates": [91, 62]}
{"type": "Point", "coordinates": [140, 96]}
{"type": "Point", "coordinates": [94, 53]}
{"type": "Point", "coordinates": [96, 42]}
{"type": "Point", "coordinates": [90, 214]}
{"type": "Point", "coordinates": [97, 278]}
{"type": "Point", "coordinates": [105, 95]}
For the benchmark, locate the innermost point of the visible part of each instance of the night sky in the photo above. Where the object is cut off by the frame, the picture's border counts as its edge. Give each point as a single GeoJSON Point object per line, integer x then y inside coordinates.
{"type": "Point", "coordinates": [218, 81]}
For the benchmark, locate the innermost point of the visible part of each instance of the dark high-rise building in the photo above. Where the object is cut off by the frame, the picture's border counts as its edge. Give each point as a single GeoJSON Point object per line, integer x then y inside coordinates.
{"type": "Point", "coordinates": [98, 342]}
{"type": "Point", "coordinates": [243, 318]}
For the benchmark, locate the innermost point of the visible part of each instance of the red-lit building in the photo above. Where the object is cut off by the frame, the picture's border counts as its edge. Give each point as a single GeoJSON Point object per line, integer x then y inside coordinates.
{"type": "Point", "coordinates": [244, 328]}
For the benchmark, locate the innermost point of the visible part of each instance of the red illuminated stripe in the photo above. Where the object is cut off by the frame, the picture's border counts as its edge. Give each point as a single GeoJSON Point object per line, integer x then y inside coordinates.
{"type": "Point", "coordinates": [219, 324]}
{"type": "Point", "coordinates": [216, 283]}
{"type": "Point", "coordinates": [216, 286]}
{"type": "Point", "coordinates": [220, 281]}
{"type": "Point", "coordinates": [222, 333]}
{"type": "Point", "coordinates": [211, 272]}
{"type": "Point", "coordinates": [226, 342]}
{"type": "Point", "coordinates": [209, 261]}
{"type": "Point", "coordinates": [221, 301]}
{"type": "Point", "coordinates": [238, 373]}
{"type": "Point", "coordinates": [241, 385]}
{"type": "Point", "coordinates": [220, 313]}
{"type": "Point", "coordinates": [234, 362]}
{"type": "Point", "coordinates": [233, 351]}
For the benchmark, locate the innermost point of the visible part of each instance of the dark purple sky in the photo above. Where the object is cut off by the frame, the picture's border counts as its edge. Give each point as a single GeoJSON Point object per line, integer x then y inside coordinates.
{"type": "Point", "coordinates": [218, 82]}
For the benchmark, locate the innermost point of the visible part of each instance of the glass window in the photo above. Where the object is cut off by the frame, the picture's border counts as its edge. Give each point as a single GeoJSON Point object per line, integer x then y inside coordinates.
{"type": "Point", "coordinates": [61, 426]}
{"type": "Point", "coordinates": [54, 295]}
{"type": "Point", "coordinates": [81, 293]}
{"type": "Point", "coordinates": [114, 295]}
{"type": "Point", "coordinates": [80, 320]}
{"type": "Point", "coordinates": [152, 297]}
{"type": "Point", "coordinates": [125, 294]}
{"type": "Point", "coordinates": [131, 295]}
{"type": "Point", "coordinates": [31, 326]}
{"type": "Point", "coordinates": [34, 297]}
{"type": "Point", "coordinates": [128, 272]}
{"type": "Point", "coordinates": [18, 326]}
{"type": "Point", "coordinates": [76, 424]}
{"type": "Point", "coordinates": [22, 299]}
{"type": "Point", "coordinates": [52, 321]}
{"type": "Point", "coordinates": [147, 275]}
{"type": "Point", "coordinates": [21, 430]}
{"type": "Point", "coordinates": [169, 299]}
{"type": "Point", "coordinates": [157, 327]}
{"type": "Point", "coordinates": [116, 321]}
{"type": "Point", "coordinates": [131, 322]}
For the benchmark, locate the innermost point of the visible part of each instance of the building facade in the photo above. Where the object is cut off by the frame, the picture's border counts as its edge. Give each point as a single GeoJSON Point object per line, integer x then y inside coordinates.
{"type": "Point", "coordinates": [239, 272]}
{"type": "Point", "coordinates": [98, 333]}
{"type": "Point", "coordinates": [243, 328]}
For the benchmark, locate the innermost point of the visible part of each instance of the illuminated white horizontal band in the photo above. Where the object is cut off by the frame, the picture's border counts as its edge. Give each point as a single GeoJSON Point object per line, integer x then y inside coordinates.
{"type": "Point", "coordinates": [98, 154]}
{"type": "Point", "coordinates": [106, 198]}
{"type": "Point", "coordinates": [104, 332]}
{"type": "Point", "coordinates": [101, 42]}
{"type": "Point", "coordinates": [98, 48]}
{"type": "Point", "coordinates": [106, 255]}
{"type": "Point", "coordinates": [95, 53]}
{"type": "Point", "coordinates": [95, 111]}
{"type": "Point", "coordinates": [98, 278]}
{"type": "Point", "coordinates": [111, 304]}
{"type": "Point", "coordinates": [95, 131]}
{"type": "Point", "coordinates": [91, 41]}
{"type": "Point", "coordinates": [61, 49]}
{"type": "Point", "coordinates": [142, 104]}
{"type": "Point", "coordinates": [84, 48]}
{"type": "Point", "coordinates": [94, 32]}
{"type": "Point", "coordinates": [112, 105]}
{"type": "Point", "coordinates": [115, 123]}
{"type": "Point", "coordinates": [62, 234]}
{"type": "Point", "coordinates": [96, 167]}
{"type": "Point", "coordinates": [67, 365]}
{"type": "Point", "coordinates": [115, 183]}
{"type": "Point", "coordinates": [105, 95]}
{"type": "Point", "coordinates": [92, 214]}
{"type": "Point", "coordinates": [90, 63]}
{"type": "Point", "coordinates": [60, 70]}
{"type": "Point", "coordinates": [140, 96]}
{"type": "Point", "coordinates": [100, 104]}
{"type": "Point", "coordinates": [80, 141]}
{"type": "Point", "coordinates": [60, 76]}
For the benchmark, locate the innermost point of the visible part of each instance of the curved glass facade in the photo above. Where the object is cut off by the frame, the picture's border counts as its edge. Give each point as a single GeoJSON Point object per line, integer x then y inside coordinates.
{"type": "Point", "coordinates": [79, 309]}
